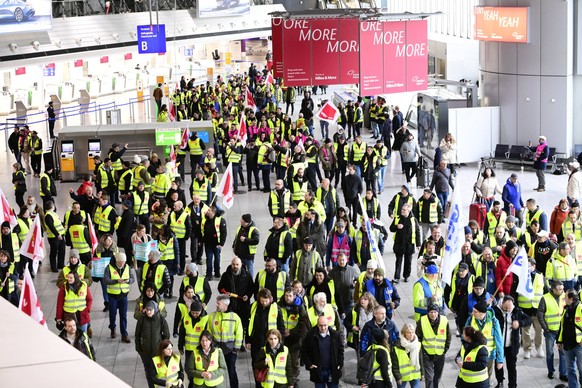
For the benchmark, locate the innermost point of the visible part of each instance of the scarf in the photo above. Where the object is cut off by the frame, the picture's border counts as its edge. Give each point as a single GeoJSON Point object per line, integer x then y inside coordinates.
{"type": "Point", "coordinates": [413, 350]}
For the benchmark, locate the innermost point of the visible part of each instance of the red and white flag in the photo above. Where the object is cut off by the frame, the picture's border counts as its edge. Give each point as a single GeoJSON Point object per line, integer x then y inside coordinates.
{"type": "Point", "coordinates": [185, 137]}
{"type": "Point", "coordinates": [269, 80]}
{"type": "Point", "coordinates": [226, 187]}
{"type": "Point", "coordinates": [300, 144]}
{"type": "Point", "coordinates": [6, 211]}
{"type": "Point", "coordinates": [242, 129]}
{"type": "Point", "coordinates": [172, 154]}
{"type": "Point", "coordinates": [33, 245]}
{"type": "Point", "coordinates": [29, 303]}
{"type": "Point", "coordinates": [249, 100]}
{"type": "Point", "coordinates": [328, 112]}
{"type": "Point", "coordinates": [94, 239]}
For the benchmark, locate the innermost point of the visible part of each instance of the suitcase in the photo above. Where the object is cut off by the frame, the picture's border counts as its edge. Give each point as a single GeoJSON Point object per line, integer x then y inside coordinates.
{"type": "Point", "coordinates": [422, 173]}
{"type": "Point", "coordinates": [478, 212]}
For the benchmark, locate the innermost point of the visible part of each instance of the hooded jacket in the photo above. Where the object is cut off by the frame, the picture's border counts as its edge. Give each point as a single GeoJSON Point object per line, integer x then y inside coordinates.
{"type": "Point", "coordinates": [150, 331]}
{"type": "Point", "coordinates": [512, 195]}
{"type": "Point", "coordinates": [497, 354]}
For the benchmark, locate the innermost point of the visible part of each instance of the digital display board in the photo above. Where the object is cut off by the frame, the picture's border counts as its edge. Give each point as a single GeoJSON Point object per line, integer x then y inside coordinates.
{"type": "Point", "coordinates": [502, 24]}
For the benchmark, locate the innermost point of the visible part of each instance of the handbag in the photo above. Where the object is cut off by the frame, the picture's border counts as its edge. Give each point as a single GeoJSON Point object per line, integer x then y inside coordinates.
{"type": "Point", "coordinates": [260, 375]}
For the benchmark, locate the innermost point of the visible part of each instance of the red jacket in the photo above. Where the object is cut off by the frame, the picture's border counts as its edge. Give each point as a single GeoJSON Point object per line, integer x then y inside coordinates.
{"type": "Point", "coordinates": [557, 219]}
{"type": "Point", "coordinates": [503, 263]}
{"type": "Point", "coordinates": [84, 316]}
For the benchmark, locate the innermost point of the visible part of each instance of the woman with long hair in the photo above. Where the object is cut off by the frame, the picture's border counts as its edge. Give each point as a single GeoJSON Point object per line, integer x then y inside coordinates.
{"type": "Point", "coordinates": [354, 322]}
{"type": "Point", "coordinates": [486, 187]}
{"type": "Point", "coordinates": [106, 248]}
{"type": "Point", "coordinates": [473, 359]}
{"type": "Point", "coordinates": [149, 293]}
{"type": "Point", "coordinates": [275, 357]}
{"type": "Point", "coordinates": [166, 369]}
{"type": "Point", "coordinates": [75, 300]}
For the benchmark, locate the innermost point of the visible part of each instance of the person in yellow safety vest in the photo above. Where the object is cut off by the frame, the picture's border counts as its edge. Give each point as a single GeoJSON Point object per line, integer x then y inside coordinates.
{"type": "Point", "coordinates": [299, 186]}
{"type": "Point", "coordinates": [35, 146]}
{"type": "Point", "coordinates": [473, 360]}
{"type": "Point", "coordinates": [193, 321]}
{"type": "Point", "coordinates": [214, 233]}
{"type": "Point", "coordinates": [272, 278]}
{"type": "Point", "coordinates": [208, 366]}
{"type": "Point", "coordinates": [406, 357]}
{"type": "Point", "coordinates": [427, 290]}
{"type": "Point", "coordinates": [105, 181]}
{"type": "Point", "coordinates": [533, 212]}
{"type": "Point", "coordinates": [196, 147]}
{"type": "Point", "coordinates": [304, 262]}
{"type": "Point", "coordinates": [140, 173]}
{"type": "Point", "coordinates": [495, 217]}
{"type": "Point", "coordinates": [356, 156]}
{"type": "Point", "coordinates": [125, 179]}
{"type": "Point", "coordinates": [434, 334]}
{"type": "Point", "coordinates": [10, 243]}
{"type": "Point", "coordinates": [79, 238]}
{"type": "Point", "coordinates": [512, 229]}
{"type": "Point", "coordinates": [570, 337]}
{"type": "Point", "coordinates": [227, 329]}
{"type": "Point", "coordinates": [9, 278]}
{"type": "Point", "coordinates": [265, 315]}
{"type": "Point", "coordinates": [549, 313]}
{"type": "Point", "coordinates": [149, 293]}
{"type": "Point", "coordinates": [200, 284]}
{"type": "Point", "coordinates": [265, 163]}
{"type": "Point", "coordinates": [370, 168]}
{"type": "Point", "coordinates": [155, 271]}
{"type": "Point", "coordinates": [105, 216]}
{"type": "Point", "coordinates": [77, 338]}
{"type": "Point", "coordinates": [576, 253]}
{"type": "Point", "coordinates": [166, 368]}
{"type": "Point", "coordinates": [201, 186]}
{"type": "Point", "coordinates": [168, 246]}
{"type": "Point", "coordinates": [320, 307]}
{"type": "Point", "coordinates": [428, 211]}
{"type": "Point", "coordinates": [141, 201]}
{"type": "Point", "coordinates": [74, 214]}
{"type": "Point", "coordinates": [279, 199]}
{"type": "Point", "coordinates": [47, 189]}
{"type": "Point", "coordinates": [56, 237]}
{"type": "Point", "coordinates": [115, 154]}
{"type": "Point", "coordinates": [76, 266]}
{"type": "Point", "coordinates": [529, 306]}
{"type": "Point", "coordinates": [245, 242]}
{"type": "Point", "coordinates": [276, 358]}
{"type": "Point", "coordinates": [294, 314]}
{"type": "Point", "coordinates": [310, 202]}
{"type": "Point", "coordinates": [483, 319]}
{"type": "Point", "coordinates": [406, 241]}
{"type": "Point", "coordinates": [321, 282]}
{"type": "Point", "coordinates": [162, 183]}
{"type": "Point", "coordinates": [571, 225]}
{"type": "Point", "coordinates": [118, 278]}
{"type": "Point", "coordinates": [562, 267]}
{"type": "Point", "coordinates": [163, 114]}
{"type": "Point", "coordinates": [358, 119]}
{"type": "Point", "coordinates": [233, 154]}
{"type": "Point", "coordinates": [75, 300]}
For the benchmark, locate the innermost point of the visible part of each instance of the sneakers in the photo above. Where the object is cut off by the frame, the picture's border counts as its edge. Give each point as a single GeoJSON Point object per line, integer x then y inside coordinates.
{"type": "Point", "coordinates": [527, 354]}
{"type": "Point", "coordinates": [540, 352]}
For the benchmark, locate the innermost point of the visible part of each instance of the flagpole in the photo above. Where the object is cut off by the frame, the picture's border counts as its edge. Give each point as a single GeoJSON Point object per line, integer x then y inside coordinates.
{"type": "Point", "coordinates": [504, 277]}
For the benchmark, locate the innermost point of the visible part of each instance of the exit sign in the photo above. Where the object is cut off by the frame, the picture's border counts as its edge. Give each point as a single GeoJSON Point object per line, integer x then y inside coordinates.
{"type": "Point", "coordinates": [167, 137]}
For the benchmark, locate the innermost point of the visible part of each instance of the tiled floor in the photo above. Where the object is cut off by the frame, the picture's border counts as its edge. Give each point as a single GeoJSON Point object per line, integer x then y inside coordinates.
{"type": "Point", "coordinates": [123, 361]}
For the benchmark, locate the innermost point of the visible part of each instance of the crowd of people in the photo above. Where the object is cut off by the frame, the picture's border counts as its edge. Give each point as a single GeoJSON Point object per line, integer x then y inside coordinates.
{"type": "Point", "coordinates": [322, 287]}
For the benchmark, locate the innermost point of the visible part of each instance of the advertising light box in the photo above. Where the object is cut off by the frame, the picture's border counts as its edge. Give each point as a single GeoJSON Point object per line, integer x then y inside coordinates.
{"type": "Point", "coordinates": [223, 8]}
{"type": "Point", "coordinates": [502, 24]}
{"type": "Point", "coordinates": [18, 16]}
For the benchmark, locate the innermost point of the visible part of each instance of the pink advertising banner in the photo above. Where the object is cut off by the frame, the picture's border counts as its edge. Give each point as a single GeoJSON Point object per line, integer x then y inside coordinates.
{"type": "Point", "coordinates": [394, 64]}
{"type": "Point", "coordinates": [296, 53]}
{"type": "Point", "coordinates": [277, 39]}
{"type": "Point", "coordinates": [416, 52]}
{"type": "Point", "coordinates": [371, 58]}
{"type": "Point", "coordinates": [325, 53]}
{"type": "Point", "coordinates": [350, 51]}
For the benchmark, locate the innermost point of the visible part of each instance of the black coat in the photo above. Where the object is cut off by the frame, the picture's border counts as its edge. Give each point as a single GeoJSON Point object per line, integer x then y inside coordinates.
{"type": "Point", "coordinates": [352, 186]}
{"type": "Point", "coordinates": [516, 315]}
{"type": "Point", "coordinates": [310, 355]}
{"type": "Point", "coordinates": [240, 285]}
{"type": "Point", "coordinates": [126, 227]}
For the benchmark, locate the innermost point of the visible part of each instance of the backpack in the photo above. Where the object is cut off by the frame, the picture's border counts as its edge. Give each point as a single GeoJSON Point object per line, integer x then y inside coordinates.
{"type": "Point", "coordinates": [365, 371]}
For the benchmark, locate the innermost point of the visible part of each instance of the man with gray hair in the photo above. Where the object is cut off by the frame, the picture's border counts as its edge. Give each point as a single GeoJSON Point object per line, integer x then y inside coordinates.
{"type": "Point", "coordinates": [227, 330]}
{"type": "Point", "coordinates": [321, 308]}
{"type": "Point", "coordinates": [154, 271]}
{"type": "Point", "coordinates": [118, 277]}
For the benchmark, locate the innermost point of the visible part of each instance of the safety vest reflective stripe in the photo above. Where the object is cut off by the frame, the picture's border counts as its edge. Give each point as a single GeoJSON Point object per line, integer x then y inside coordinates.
{"type": "Point", "coordinates": [201, 189]}
{"type": "Point", "coordinates": [560, 268]}
{"type": "Point", "coordinates": [192, 336]}
{"type": "Point", "coordinates": [290, 320]}
{"type": "Point", "coordinates": [118, 288]}
{"type": "Point", "coordinates": [432, 210]}
{"type": "Point", "coordinates": [553, 311]}
{"type": "Point", "coordinates": [75, 302]}
{"type": "Point", "coordinates": [178, 225]}
{"type": "Point", "coordinates": [158, 278]}
{"type": "Point", "coordinates": [276, 371]}
{"type": "Point", "coordinates": [431, 342]}
{"type": "Point", "coordinates": [162, 184]}
{"type": "Point", "coordinates": [299, 190]}
{"type": "Point", "coordinates": [470, 376]}
{"type": "Point", "coordinates": [271, 320]}
{"type": "Point", "coordinates": [168, 372]}
{"type": "Point", "coordinates": [141, 207]}
{"type": "Point", "coordinates": [222, 333]}
{"type": "Point", "coordinates": [407, 371]}
{"type": "Point", "coordinates": [412, 226]}
{"type": "Point", "coordinates": [358, 151]}
{"type": "Point", "coordinates": [217, 220]}
{"type": "Point", "coordinates": [328, 312]}
{"type": "Point", "coordinates": [56, 223]}
{"type": "Point", "coordinates": [166, 249]}
{"type": "Point", "coordinates": [102, 218]}
{"type": "Point", "coordinates": [212, 366]}
{"type": "Point", "coordinates": [195, 148]}
{"type": "Point", "coordinates": [488, 333]}
{"type": "Point", "coordinates": [376, 365]}
{"type": "Point", "coordinates": [569, 227]}
{"type": "Point", "coordinates": [104, 177]}
{"type": "Point", "coordinates": [275, 202]}
{"type": "Point", "coordinates": [281, 278]}
{"type": "Point", "coordinates": [77, 233]}
{"type": "Point", "coordinates": [252, 248]}
{"type": "Point", "coordinates": [122, 180]}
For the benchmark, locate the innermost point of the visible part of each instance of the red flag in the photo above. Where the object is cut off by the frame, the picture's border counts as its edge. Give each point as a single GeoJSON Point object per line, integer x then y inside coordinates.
{"type": "Point", "coordinates": [171, 111]}
{"type": "Point", "coordinates": [29, 303]}
{"type": "Point", "coordinates": [328, 112]}
{"type": "Point", "coordinates": [94, 239]}
{"type": "Point", "coordinates": [33, 244]}
{"type": "Point", "coordinates": [6, 212]}
{"type": "Point", "coordinates": [242, 129]}
{"type": "Point", "coordinates": [172, 153]}
{"type": "Point", "coordinates": [226, 188]}
{"type": "Point", "coordinates": [185, 137]}
{"type": "Point", "coordinates": [269, 80]}
{"type": "Point", "coordinates": [249, 100]}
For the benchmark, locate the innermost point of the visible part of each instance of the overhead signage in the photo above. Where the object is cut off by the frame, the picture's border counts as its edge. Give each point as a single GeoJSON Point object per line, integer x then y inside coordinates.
{"type": "Point", "coordinates": [49, 70]}
{"type": "Point", "coordinates": [20, 71]}
{"type": "Point", "coordinates": [502, 24]}
{"type": "Point", "coordinates": [151, 39]}
{"type": "Point", "coordinates": [222, 8]}
{"type": "Point", "coordinates": [104, 59]}
{"type": "Point", "coordinates": [166, 137]}
{"type": "Point", "coordinates": [78, 63]}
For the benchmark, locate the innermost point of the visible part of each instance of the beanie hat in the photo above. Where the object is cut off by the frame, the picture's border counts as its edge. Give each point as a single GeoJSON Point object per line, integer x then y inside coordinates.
{"type": "Point", "coordinates": [247, 218]}
{"type": "Point", "coordinates": [74, 253]}
{"type": "Point", "coordinates": [479, 282]}
{"type": "Point", "coordinates": [196, 306]}
{"type": "Point", "coordinates": [509, 246]}
{"type": "Point", "coordinates": [433, 307]}
{"type": "Point", "coordinates": [432, 269]}
{"type": "Point", "coordinates": [481, 306]}
{"type": "Point", "coordinates": [378, 335]}
{"type": "Point", "coordinates": [468, 230]}
{"type": "Point", "coordinates": [378, 272]}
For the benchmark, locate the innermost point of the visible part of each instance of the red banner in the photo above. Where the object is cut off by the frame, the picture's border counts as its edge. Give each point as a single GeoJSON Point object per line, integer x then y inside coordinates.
{"type": "Point", "coordinates": [416, 55]}
{"type": "Point", "coordinates": [104, 59]}
{"type": "Point", "coordinates": [277, 39]}
{"type": "Point", "coordinates": [20, 71]}
{"type": "Point", "coordinates": [127, 56]}
{"type": "Point", "coordinates": [297, 34]}
{"type": "Point", "coordinates": [371, 58]}
{"type": "Point", "coordinates": [325, 51]}
{"type": "Point", "coordinates": [394, 64]}
{"type": "Point", "coordinates": [78, 63]}
{"type": "Point", "coordinates": [350, 51]}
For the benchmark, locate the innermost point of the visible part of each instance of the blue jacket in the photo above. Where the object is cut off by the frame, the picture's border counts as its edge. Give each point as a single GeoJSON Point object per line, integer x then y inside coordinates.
{"type": "Point", "coordinates": [390, 294]}
{"type": "Point", "coordinates": [366, 333]}
{"type": "Point", "coordinates": [498, 354]}
{"type": "Point", "coordinates": [512, 194]}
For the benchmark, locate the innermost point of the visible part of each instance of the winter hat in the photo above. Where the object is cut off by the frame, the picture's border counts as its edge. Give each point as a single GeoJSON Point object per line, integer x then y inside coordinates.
{"type": "Point", "coordinates": [247, 218]}
{"type": "Point", "coordinates": [192, 267]}
{"type": "Point", "coordinates": [479, 282]}
{"type": "Point", "coordinates": [433, 307]}
{"type": "Point", "coordinates": [308, 240]}
{"type": "Point", "coordinates": [151, 305]}
{"type": "Point", "coordinates": [196, 306]}
{"type": "Point", "coordinates": [432, 269]}
{"type": "Point", "coordinates": [407, 188]}
{"type": "Point", "coordinates": [372, 264]}
{"type": "Point", "coordinates": [136, 159]}
{"type": "Point", "coordinates": [378, 272]}
{"type": "Point", "coordinates": [127, 203]}
{"type": "Point", "coordinates": [511, 219]}
{"type": "Point", "coordinates": [481, 306]}
{"type": "Point", "coordinates": [378, 335]}
{"type": "Point", "coordinates": [509, 246]}
{"type": "Point", "coordinates": [6, 224]}
{"type": "Point", "coordinates": [340, 224]}
{"type": "Point", "coordinates": [468, 230]}
{"type": "Point", "coordinates": [74, 253]}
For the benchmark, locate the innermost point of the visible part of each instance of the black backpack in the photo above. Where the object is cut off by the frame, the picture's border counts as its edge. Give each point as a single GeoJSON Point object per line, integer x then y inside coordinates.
{"type": "Point", "coordinates": [365, 371]}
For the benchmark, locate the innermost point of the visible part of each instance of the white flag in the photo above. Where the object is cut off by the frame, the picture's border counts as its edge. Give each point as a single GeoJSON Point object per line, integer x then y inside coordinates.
{"type": "Point", "coordinates": [226, 188]}
{"type": "Point", "coordinates": [454, 240]}
{"type": "Point", "coordinates": [33, 245]}
{"type": "Point", "coordinates": [520, 267]}
{"type": "Point", "coordinates": [29, 303]}
{"type": "Point", "coordinates": [376, 252]}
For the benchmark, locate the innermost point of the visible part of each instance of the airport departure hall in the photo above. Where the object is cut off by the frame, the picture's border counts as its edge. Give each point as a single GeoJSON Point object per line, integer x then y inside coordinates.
{"type": "Point", "coordinates": [284, 193]}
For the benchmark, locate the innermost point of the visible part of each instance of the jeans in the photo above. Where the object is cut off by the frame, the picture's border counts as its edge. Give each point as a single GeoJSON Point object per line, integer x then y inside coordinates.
{"type": "Point", "coordinates": [375, 129]}
{"type": "Point", "coordinates": [249, 264]}
{"type": "Point", "coordinates": [573, 363]}
{"type": "Point", "coordinates": [212, 255]}
{"type": "Point", "coordinates": [381, 175]}
{"type": "Point", "coordinates": [413, 384]}
{"type": "Point", "coordinates": [116, 302]}
{"type": "Point", "coordinates": [550, 342]}
{"type": "Point", "coordinates": [324, 125]}
{"type": "Point", "coordinates": [443, 196]}
{"type": "Point", "coordinates": [326, 376]}
{"type": "Point", "coordinates": [231, 366]}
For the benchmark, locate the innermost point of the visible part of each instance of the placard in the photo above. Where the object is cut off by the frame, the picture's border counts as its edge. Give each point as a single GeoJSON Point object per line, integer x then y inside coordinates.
{"type": "Point", "coordinates": [98, 265]}
{"type": "Point", "coordinates": [142, 250]}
